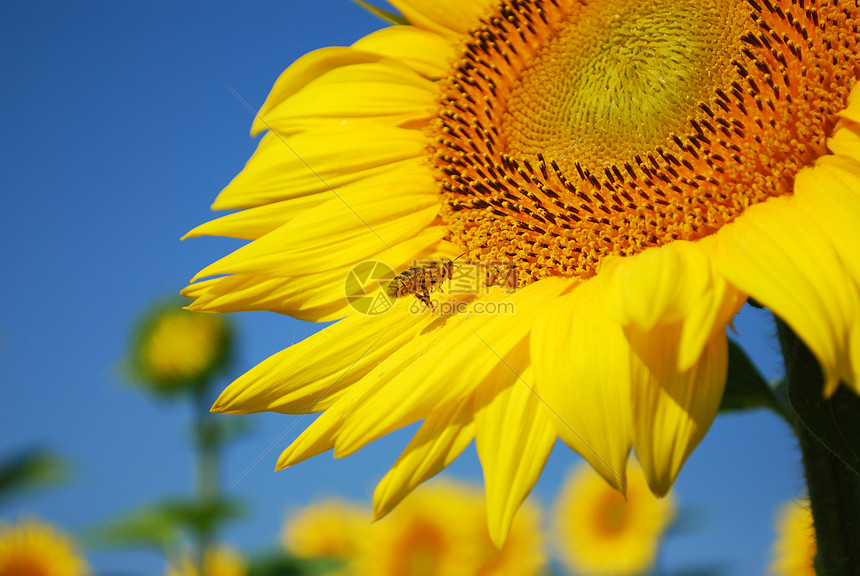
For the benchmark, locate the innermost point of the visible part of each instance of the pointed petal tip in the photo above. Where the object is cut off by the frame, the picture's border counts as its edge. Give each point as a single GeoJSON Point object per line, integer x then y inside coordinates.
{"type": "Point", "coordinates": [189, 234]}
{"type": "Point", "coordinates": [621, 485]}
{"type": "Point", "coordinates": [193, 306]}
{"type": "Point", "coordinates": [659, 486]}
{"type": "Point", "coordinates": [349, 447]}
{"type": "Point", "coordinates": [295, 453]}
{"type": "Point", "coordinates": [228, 402]}
{"type": "Point", "coordinates": [498, 532]}
{"type": "Point", "coordinates": [379, 511]}
{"type": "Point", "coordinates": [831, 385]}
{"type": "Point", "coordinates": [285, 460]}
{"type": "Point", "coordinates": [201, 274]}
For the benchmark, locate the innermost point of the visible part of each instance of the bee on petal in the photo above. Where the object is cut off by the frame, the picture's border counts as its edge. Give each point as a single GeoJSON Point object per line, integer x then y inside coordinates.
{"type": "Point", "coordinates": [421, 280]}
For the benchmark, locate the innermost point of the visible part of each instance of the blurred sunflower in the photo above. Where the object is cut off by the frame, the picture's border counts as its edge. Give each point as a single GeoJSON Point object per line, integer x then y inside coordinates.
{"type": "Point", "coordinates": [524, 551]}
{"type": "Point", "coordinates": [441, 530]}
{"type": "Point", "coordinates": [795, 546]}
{"type": "Point", "coordinates": [432, 533]}
{"type": "Point", "coordinates": [645, 166]}
{"type": "Point", "coordinates": [599, 531]}
{"type": "Point", "coordinates": [175, 351]}
{"type": "Point", "coordinates": [219, 561]}
{"type": "Point", "coordinates": [328, 529]}
{"type": "Point", "coordinates": [34, 548]}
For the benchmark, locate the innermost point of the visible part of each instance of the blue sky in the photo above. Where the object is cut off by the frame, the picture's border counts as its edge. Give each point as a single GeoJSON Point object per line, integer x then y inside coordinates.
{"type": "Point", "coordinates": [118, 129]}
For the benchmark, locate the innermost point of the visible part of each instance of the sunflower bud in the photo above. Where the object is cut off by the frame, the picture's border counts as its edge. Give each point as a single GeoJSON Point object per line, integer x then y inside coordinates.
{"type": "Point", "coordinates": [175, 351]}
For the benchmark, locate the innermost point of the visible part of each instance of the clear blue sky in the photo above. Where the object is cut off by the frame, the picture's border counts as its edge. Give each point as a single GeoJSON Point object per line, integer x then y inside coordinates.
{"type": "Point", "coordinates": [117, 129]}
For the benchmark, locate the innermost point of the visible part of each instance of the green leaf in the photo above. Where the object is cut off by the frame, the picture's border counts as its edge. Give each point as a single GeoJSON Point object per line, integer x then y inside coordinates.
{"type": "Point", "coordinates": [160, 524]}
{"type": "Point", "coordinates": [29, 469]}
{"type": "Point", "coordinates": [283, 565]}
{"type": "Point", "coordinates": [148, 527]}
{"type": "Point", "coordinates": [834, 422]}
{"type": "Point", "coordinates": [746, 388]}
{"type": "Point", "coordinates": [385, 15]}
{"type": "Point", "coordinates": [202, 517]}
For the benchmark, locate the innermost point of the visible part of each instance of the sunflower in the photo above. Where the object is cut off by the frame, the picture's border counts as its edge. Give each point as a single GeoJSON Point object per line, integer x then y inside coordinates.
{"type": "Point", "coordinates": [34, 548]}
{"type": "Point", "coordinates": [219, 561]}
{"type": "Point", "coordinates": [795, 547]}
{"type": "Point", "coordinates": [599, 531]}
{"type": "Point", "coordinates": [441, 530]}
{"type": "Point", "coordinates": [524, 551]}
{"type": "Point", "coordinates": [173, 350]}
{"type": "Point", "coordinates": [433, 532]}
{"type": "Point", "coordinates": [328, 529]}
{"type": "Point", "coordinates": [643, 167]}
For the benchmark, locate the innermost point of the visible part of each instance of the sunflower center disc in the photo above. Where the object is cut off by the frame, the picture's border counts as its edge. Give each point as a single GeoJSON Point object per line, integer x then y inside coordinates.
{"type": "Point", "coordinates": [620, 81]}
{"type": "Point", "coordinates": [570, 131]}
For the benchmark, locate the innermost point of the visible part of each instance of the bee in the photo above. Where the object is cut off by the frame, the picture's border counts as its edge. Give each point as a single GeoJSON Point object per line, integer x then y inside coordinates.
{"type": "Point", "coordinates": [421, 280]}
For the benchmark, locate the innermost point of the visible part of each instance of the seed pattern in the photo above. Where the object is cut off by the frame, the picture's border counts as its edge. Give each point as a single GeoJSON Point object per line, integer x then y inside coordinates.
{"type": "Point", "coordinates": [766, 112]}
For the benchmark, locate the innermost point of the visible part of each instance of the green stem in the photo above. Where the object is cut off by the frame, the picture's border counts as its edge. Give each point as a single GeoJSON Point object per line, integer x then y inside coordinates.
{"type": "Point", "coordinates": [208, 481]}
{"type": "Point", "coordinates": [834, 489]}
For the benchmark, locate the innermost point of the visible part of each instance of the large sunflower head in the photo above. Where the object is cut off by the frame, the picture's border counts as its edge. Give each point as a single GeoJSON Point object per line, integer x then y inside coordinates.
{"type": "Point", "coordinates": [616, 177]}
{"type": "Point", "coordinates": [574, 131]}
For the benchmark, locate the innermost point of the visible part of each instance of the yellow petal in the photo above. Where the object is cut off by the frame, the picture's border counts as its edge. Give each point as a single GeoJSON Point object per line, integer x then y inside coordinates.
{"type": "Point", "coordinates": [199, 289]}
{"type": "Point", "coordinates": [673, 275]}
{"type": "Point", "coordinates": [445, 364]}
{"type": "Point", "coordinates": [426, 52]}
{"type": "Point", "coordinates": [317, 438]}
{"type": "Point", "coordinates": [337, 234]}
{"type": "Point", "coordinates": [676, 283]}
{"type": "Point", "coordinates": [322, 435]}
{"type": "Point", "coordinates": [779, 255]}
{"type": "Point", "coordinates": [386, 91]}
{"type": "Point", "coordinates": [830, 194]}
{"type": "Point", "coordinates": [317, 297]}
{"type": "Point", "coordinates": [449, 19]}
{"type": "Point", "coordinates": [852, 111]}
{"type": "Point", "coordinates": [514, 437]}
{"type": "Point", "coordinates": [846, 140]}
{"type": "Point", "coordinates": [311, 375]}
{"type": "Point", "coordinates": [310, 66]}
{"type": "Point", "coordinates": [673, 306]}
{"type": "Point", "coordinates": [672, 410]}
{"type": "Point", "coordinates": [321, 163]}
{"type": "Point", "coordinates": [442, 437]}
{"type": "Point", "coordinates": [327, 430]}
{"type": "Point", "coordinates": [252, 223]}
{"type": "Point", "coordinates": [307, 69]}
{"type": "Point", "coordinates": [582, 369]}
